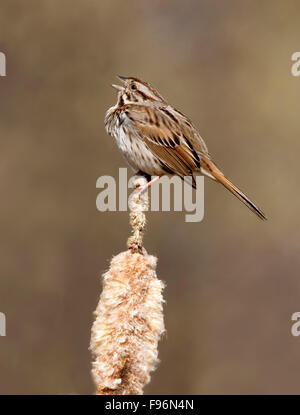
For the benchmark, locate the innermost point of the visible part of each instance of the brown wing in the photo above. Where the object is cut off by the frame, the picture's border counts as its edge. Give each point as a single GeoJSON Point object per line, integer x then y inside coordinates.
{"type": "Point", "coordinates": [169, 136]}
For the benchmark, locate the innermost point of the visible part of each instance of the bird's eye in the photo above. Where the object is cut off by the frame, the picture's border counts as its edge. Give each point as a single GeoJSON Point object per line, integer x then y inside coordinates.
{"type": "Point", "coordinates": [133, 86]}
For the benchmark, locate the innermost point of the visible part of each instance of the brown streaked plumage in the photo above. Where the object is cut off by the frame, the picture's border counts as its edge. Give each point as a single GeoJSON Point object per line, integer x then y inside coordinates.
{"type": "Point", "coordinates": [157, 139]}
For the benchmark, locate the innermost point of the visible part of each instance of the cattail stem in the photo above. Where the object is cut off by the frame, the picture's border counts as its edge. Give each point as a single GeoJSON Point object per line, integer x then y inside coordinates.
{"type": "Point", "coordinates": [129, 316]}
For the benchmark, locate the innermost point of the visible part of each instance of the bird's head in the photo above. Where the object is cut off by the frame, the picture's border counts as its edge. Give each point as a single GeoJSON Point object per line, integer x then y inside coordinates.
{"type": "Point", "coordinates": [135, 91]}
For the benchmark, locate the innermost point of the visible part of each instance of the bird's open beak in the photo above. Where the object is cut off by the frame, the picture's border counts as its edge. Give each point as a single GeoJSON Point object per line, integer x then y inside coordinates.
{"type": "Point", "coordinates": [118, 87]}
{"type": "Point", "coordinates": [122, 78]}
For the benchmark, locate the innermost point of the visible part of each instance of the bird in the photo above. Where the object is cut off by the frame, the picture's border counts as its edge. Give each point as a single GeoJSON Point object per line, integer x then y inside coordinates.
{"type": "Point", "coordinates": [157, 139]}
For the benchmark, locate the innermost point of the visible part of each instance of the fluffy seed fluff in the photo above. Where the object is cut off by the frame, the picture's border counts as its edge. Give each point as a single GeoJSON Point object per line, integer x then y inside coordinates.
{"type": "Point", "coordinates": [129, 316]}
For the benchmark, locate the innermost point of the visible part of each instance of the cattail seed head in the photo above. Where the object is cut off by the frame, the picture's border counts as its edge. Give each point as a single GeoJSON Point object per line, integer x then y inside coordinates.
{"type": "Point", "coordinates": [129, 316]}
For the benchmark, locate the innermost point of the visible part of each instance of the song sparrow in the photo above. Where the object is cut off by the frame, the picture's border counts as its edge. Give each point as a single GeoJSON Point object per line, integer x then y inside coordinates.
{"type": "Point", "coordinates": [157, 139]}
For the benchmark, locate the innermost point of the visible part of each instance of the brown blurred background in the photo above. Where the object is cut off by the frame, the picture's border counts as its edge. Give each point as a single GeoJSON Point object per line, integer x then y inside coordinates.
{"type": "Point", "coordinates": [232, 281]}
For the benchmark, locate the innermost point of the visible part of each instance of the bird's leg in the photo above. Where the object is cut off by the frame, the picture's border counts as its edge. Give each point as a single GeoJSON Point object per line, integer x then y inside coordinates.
{"type": "Point", "coordinates": [146, 187]}
{"type": "Point", "coordinates": [141, 189]}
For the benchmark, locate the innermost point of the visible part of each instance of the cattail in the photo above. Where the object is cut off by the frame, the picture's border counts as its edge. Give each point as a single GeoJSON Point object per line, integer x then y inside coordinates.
{"type": "Point", "coordinates": [129, 316]}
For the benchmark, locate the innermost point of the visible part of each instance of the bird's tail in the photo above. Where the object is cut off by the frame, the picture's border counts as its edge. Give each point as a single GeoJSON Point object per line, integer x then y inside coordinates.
{"type": "Point", "coordinates": [210, 169]}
